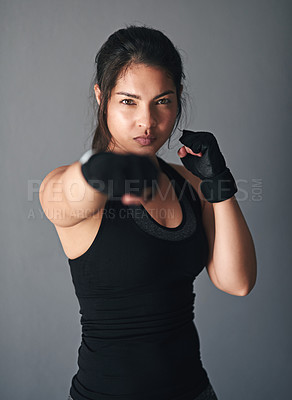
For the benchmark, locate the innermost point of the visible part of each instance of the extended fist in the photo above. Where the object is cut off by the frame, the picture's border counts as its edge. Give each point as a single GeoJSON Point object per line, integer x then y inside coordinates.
{"type": "Point", "coordinates": [120, 174]}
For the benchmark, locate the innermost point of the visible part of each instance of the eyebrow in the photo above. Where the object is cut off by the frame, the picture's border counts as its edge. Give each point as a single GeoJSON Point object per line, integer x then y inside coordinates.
{"type": "Point", "coordinates": [135, 96]}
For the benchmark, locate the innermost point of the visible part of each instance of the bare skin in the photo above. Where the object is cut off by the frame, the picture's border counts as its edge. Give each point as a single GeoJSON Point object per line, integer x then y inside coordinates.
{"type": "Point", "coordinates": [148, 106]}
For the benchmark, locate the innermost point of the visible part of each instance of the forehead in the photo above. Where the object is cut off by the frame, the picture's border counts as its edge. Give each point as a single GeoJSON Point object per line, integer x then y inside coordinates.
{"type": "Point", "coordinates": [142, 75]}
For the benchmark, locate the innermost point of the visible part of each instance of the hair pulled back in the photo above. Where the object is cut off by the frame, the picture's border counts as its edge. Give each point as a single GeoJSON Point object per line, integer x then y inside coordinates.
{"type": "Point", "coordinates": [127, 46]}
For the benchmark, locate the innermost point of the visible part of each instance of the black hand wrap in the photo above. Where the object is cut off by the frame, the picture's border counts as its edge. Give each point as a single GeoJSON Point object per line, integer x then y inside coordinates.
{"type": "Point", "coordinates": [219, 188]}
{"type": "Point", "coordinates": [217, 183]}
{"type": "Point", "coordinates": [116, 174]}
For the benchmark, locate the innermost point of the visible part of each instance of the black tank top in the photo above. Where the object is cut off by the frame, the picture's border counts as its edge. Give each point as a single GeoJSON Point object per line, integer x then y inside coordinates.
{"type": "Point", "coordinates": [135, 290]}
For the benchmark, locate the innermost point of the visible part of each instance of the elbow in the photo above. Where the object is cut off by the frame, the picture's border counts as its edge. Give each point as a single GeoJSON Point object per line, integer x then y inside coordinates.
{"type": "Point", "coordinates": [241, 285]}
{"type": "Point", "coordinates": [251, 281]}
{"type": "Point", "coordinates": [239, 292]}
{"type": "Point", "coordinates": [245, 291]}
{"type": "Point", "coordinates": [247, 288]}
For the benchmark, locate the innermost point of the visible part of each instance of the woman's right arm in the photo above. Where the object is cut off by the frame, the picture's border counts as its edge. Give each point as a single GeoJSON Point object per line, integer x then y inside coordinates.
{"type": "Point", "coordinates": [66, 197]}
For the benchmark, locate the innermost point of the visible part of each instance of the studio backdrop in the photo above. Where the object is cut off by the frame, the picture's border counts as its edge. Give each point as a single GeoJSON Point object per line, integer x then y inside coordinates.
{"type": "Point", "coordinates": [237, 59]}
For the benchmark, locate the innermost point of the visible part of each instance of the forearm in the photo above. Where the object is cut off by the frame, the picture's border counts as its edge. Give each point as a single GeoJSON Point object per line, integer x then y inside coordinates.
{"type": "Point", "coordinates": [234, 257]}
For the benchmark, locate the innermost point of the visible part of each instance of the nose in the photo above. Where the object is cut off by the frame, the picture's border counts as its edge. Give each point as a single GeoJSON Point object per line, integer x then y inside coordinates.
{"type": "Point", "coordinates": [146, 118]}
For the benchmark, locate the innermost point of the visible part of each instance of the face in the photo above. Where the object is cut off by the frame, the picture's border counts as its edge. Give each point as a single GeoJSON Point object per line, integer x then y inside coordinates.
{"type": "Point", "coordinates": [142, 104]}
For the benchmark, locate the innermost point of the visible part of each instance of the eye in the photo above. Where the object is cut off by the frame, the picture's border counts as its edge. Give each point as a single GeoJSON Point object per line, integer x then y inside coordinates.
{"type": "Point", "coordinates": [127, 102]}
{"type": "Point", "coordinates": [164, 101]}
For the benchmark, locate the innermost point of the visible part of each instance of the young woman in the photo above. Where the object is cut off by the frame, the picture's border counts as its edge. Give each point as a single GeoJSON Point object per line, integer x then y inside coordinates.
{"type": "Point", "coordinates": [138, 230]}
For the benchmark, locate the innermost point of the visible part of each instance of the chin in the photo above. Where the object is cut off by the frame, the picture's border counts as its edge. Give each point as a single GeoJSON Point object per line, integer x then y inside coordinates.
{"type": "Point", "coordinates": [147, 150]}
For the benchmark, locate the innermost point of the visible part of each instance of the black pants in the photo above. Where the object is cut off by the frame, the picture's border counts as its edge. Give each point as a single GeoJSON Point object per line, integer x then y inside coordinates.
{"type": "Point", "coordinates": [207, 394]}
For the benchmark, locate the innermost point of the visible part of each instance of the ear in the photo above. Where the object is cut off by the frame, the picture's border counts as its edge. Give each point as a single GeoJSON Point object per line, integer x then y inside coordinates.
{"type": "Point", "coordinates": [97, 93]}
{"type": "Point", "coordinates": [181, 89]}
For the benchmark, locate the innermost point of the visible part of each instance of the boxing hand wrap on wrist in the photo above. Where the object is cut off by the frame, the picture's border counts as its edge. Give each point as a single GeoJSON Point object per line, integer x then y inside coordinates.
{"type": "Point", "coordinates": [116, 174]}
{"type": "Point", "coordinates": [219, 188]}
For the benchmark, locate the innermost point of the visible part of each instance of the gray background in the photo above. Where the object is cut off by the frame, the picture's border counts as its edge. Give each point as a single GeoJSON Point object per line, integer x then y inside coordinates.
{"type": "Point", "coordinates": [237, 60]}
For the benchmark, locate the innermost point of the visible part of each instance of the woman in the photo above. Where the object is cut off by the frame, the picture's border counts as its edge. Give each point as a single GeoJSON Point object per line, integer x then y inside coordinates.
{"type": "Point", "coordinates": [138, 230]}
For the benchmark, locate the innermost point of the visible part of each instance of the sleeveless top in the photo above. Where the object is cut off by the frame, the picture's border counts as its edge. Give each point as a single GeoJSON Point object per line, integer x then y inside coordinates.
{"type": "Point", "coordinates": [135, 290]}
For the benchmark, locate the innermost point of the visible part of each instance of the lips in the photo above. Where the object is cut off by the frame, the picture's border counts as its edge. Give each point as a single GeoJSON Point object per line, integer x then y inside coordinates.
{"type": "Point", "coordinates": [145, 137]}
{"type": "Point", "coordinates": [144, 140]}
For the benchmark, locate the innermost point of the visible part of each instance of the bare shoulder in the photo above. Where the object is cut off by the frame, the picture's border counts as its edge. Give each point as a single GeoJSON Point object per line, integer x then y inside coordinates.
{"type": "Point", "coordinates": [75, 239]}
{"type": "Point", "coordinates": [58, 170]}
{"type": "Point", "coordinates": [55, 171]}
{"type": "Point", "coordinates": [191, 178]}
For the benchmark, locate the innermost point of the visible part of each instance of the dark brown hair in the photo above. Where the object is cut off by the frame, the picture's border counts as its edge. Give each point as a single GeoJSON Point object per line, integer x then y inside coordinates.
{"type": "Point", "coordinates": [133, 44]}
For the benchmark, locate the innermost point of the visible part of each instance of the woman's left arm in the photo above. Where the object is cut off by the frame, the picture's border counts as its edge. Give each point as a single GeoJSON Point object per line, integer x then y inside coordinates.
{"type": "Point", "coordinates": [232, 262]}
{"type": "Point", "coordinates": [232, 265]}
